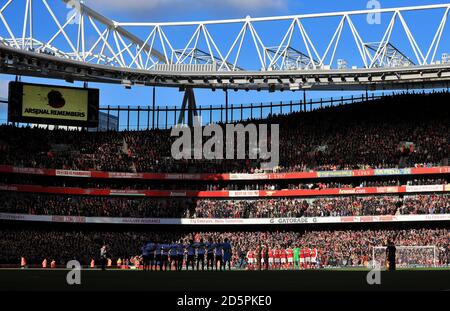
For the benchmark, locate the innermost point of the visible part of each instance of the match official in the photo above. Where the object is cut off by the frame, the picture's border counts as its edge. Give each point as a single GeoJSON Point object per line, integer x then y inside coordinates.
{"type": "Point", "coordinates": [390, 255]}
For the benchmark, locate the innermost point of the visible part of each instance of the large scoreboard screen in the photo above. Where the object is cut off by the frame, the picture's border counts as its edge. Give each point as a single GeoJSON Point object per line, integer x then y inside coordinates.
{"type": "Point", "coordinates": [49, 104]}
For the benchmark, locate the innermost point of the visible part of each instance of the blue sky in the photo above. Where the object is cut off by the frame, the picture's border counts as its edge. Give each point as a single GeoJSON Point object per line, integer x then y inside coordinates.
{"type": "Point", "coordinates": [187, 10]}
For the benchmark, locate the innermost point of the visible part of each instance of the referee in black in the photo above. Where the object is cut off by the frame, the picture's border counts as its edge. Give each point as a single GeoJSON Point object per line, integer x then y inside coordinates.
{"type": "Point", "coordinates": [390, 255]}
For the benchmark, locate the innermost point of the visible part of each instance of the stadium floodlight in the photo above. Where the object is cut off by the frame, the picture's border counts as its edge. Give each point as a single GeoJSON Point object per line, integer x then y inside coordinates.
{"type": "Point", "coordinates": [386, 55]}
{"type": "Point", "coordinates": [193, 57]}
{"type": "Point", "coordinates": [342, 64]}
{"type": "Point", "coordinates": [407, 256]}
{"type": "Point", "coordinates": [294, 86]}
{"type": "Point", "coordinates": [127, 83]}
{"type": "Point", "coordinates": [288, 58]}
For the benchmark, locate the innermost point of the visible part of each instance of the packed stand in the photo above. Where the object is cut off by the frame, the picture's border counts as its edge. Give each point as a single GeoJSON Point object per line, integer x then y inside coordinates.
{"type": "Point", "coordinates": [35, 204]}
{"type": "Point", "coordinates": [388, 133]}
{"type": "Point", "coordinates": [323, 207]}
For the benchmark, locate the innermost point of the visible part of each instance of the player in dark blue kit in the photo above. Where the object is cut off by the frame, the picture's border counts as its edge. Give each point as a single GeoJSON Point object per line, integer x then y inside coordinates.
{"type": "Point", "coordinates": [157, 255]}
{"type": "Point", "coordinates": [200, 246]}
{"type": "Point", "coordinates": [227, 253]}
{"type": "Point", "coordinates": [151, 254]}
{"type": "Point", "coordinates": [164, 256]}
{"type": "Point", "coordinates": [219, 254]}
{"type": "Point", "coordinates": [173, 256]}
{"type": "Point", "coordinates": [180, 255]}
{"type": "Point", "coordinates": [190, 254]}
{"type": "Point", "coordinates": [210, 254]}
{"type": "Point", "coordinates": [145, 255]}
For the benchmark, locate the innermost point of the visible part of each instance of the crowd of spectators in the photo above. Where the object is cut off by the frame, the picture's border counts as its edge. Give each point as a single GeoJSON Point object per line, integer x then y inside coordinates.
{"type": "Point", "coordinates": [61, 149]}
{"type": "Point", "coordinates": [217, 186]}
{"type": "Point", "coordinates": [323, 207]}
{"type": "Point", "coordinates": [335, 248]}
{"type": "Point", "coordinates": [362, 184]}
{"type": "Point", "coordinates": [392, 132]}
{"type": "Point", "coordinates": [36, 204]}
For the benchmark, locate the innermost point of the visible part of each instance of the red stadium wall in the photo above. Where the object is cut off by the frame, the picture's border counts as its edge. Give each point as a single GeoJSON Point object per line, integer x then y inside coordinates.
{"type": "Point", "coordinates": [212, 177]}
{"type": "Point", "coordinates": [227, 193]}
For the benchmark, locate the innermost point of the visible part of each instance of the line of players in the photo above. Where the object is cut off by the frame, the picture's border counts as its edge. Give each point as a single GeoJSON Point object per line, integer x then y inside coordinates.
{"type": "Point", "coordinates": [171, 256]}
{"type": "Point", "coordinates": [277, 258]}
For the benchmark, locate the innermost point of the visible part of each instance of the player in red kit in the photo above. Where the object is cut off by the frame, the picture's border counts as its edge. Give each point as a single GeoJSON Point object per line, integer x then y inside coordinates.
{"type": "Point", "coordinates": [276, 257]}
{"type": "Point", "coordinates": [271, 261]}
{"type": "Point", "coordinates": [307, 258]}
{"type": "Point", "coordinates": [23, 262]}
{"type": "Point", "coordinates": [283, 258]}
{"type": "Point", "coordinates": [314, 258]}
{"type": "Point", "coordinates": [250, 259]}
{"type": "Point", "coordinates": [290, 258]}
{"type": "Point", "coordinates": [302, 258]}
